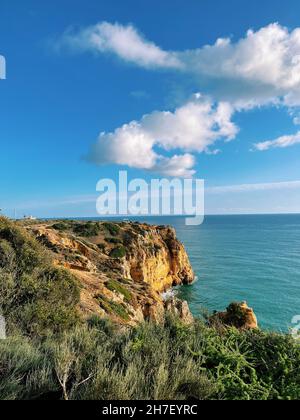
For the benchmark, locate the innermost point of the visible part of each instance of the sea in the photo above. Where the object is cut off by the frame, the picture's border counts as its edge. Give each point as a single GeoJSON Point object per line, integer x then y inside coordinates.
{"type": "Point", "coordinates": [252, 258]}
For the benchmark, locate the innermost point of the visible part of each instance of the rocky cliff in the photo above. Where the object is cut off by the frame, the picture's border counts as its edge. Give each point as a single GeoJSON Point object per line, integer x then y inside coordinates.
{"type": "Point", "coordinates": [122, 267]}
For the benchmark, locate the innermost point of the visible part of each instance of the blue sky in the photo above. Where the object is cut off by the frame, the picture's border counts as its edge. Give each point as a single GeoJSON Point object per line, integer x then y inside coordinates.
{"type": "Point", "coordinates": [76, 69]}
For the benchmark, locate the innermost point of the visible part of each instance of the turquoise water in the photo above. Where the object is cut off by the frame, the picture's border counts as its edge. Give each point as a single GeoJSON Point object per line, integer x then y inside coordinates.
{"type": "Point", "coordinates": [254, 258]}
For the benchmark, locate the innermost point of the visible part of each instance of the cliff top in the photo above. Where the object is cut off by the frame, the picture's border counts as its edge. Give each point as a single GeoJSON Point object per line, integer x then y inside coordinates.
{"type": "Point", "coordinates": [122, 268]}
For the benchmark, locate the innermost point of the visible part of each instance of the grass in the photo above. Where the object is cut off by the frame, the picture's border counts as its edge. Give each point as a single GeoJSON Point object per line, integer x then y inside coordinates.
{"type": "Point", "coordinates": [151, 362]}
{"type": "Point", "coordinates": [115, 286]}
{"type": "Point", "coordinates": [114, 308]}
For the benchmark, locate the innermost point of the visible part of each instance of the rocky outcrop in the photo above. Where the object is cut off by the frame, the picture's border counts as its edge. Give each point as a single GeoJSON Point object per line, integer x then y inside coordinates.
{"type": "Point", "coordinates": [122, 267]}
{"type": "Point", "coordinates": [180, 309]}
{"type": "Point", "coordinates": [238, 315]}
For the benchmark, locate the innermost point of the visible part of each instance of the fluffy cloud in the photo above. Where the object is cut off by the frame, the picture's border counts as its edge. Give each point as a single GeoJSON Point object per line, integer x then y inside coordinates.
{"type": "Point", "coordinates": [262, 67]}
{"type": "Point", "coordinates": [123, 41]}
{"type": "Point", "coordinates": [281, 142]}
{"type": "Point", "coordinates": [193, 127]}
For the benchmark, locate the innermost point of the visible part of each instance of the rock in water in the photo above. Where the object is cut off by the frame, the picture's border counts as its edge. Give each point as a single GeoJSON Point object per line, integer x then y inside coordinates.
{"type": "Point", "coordinates": [237, 315]}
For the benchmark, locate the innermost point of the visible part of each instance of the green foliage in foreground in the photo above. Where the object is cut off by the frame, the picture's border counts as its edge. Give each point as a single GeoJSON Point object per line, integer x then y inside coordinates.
{"type": "Point", "coordinates": [51, 354]}
{"type": "Point", "coordinates": [97, 362]}
{"type": "Point", "coordinates": [35, 297]}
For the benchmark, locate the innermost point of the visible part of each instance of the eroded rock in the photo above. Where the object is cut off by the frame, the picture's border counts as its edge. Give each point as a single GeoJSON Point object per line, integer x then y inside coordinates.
{"type": "Point", "coordinates": [122, 269]}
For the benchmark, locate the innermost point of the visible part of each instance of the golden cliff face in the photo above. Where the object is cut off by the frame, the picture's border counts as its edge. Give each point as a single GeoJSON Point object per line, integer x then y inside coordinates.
{"type": "Point", "coordinates": [122, 267]}
{"type": "Point", "coordinates": [158, 258]}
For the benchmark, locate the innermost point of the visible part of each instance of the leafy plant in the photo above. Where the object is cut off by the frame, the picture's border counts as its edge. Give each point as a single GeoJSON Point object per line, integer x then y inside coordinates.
{"type": "Point", "coordinates": [87, 229]}
{"type": "Point", "coordinates": [119, 252]}
{"type": "Point", "coordinates": [112, 228]}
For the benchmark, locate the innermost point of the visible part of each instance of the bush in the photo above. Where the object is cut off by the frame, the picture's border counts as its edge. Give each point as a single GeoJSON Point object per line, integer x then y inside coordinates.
{"type": "Point", "coordinates": [87, 229]}
{"type": "Point", "coordinates": [97, 361]}
{"type": "Point", "coordinates": [113, 240]}
{"type": "Point", "coordinates": [61, 226]}
{"type": "Point", "coordinates": [119, 252]}
{"type": "Point", "coordinates": [112, 228]}
{"type": "Point", "coordinates": [114, 308]}
{"type": "Point", "coordinates": [35, 296]}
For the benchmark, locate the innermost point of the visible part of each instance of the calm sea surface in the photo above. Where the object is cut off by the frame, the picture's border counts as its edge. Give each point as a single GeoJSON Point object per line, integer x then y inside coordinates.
{"type": "Point", "coordinates": [254, 258]}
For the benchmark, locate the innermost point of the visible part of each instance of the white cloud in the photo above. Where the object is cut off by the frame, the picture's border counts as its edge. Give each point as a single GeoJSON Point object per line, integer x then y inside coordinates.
{"type": "Point", "coordinates": [177, 166]}
{"type": "Point", "coordinates": [124, 41]}
{"type": "Point", "coordinates": [193, 127]}
{"type": "Point", "coordinates": [296, 120]}
{"type": "Point", "coordinates": [281, 142]}
{"type": "Point", "coordinates": [260, 68]}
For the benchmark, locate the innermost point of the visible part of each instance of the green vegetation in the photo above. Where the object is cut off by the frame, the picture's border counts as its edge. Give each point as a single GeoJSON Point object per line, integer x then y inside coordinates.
{"type": "Point", "coordinates": [114, 308]}
{"type": "Point", "coordinates": [61, 226]}
{"type": "Point", "coordinates": [115, 241]}
{"type": "Point", "coordinates": [87, 229]}
{"type": "Point", "coordinates": [116, 286]}
{"type": "Point", "coordinates": [118, 252]}
{"type": "Point", "coordinates": [51, 354]}
{"type": "Point", "coordinates": [102, 247]}
{"type": "Point", "coordinates": [112, 228]}
{"type": "Point", "coordinates": [151, 362]}
{"type": "Point", "coordinates": [236, 316]}
{"type": "Point", "coordinates": [35, 296]}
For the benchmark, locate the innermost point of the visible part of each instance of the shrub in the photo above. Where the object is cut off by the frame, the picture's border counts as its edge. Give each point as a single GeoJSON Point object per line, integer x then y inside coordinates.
{"type": "Point", "coordinates": [61, 226]}
{"type": "Point", "coordinates": [87, 229]}
{"type": "Point", "coordinates": [97, 361]}
{"type": "Point", "coordinates": [119, 252]}
{"type": "Point", "coordinates": [35, 296]}
{"type": "Point", "coordinates": [112, 228]}
{"type": "Point", "coordinates": [114, 308]}
{"type": "Point", "coordinates": [113, 240]}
